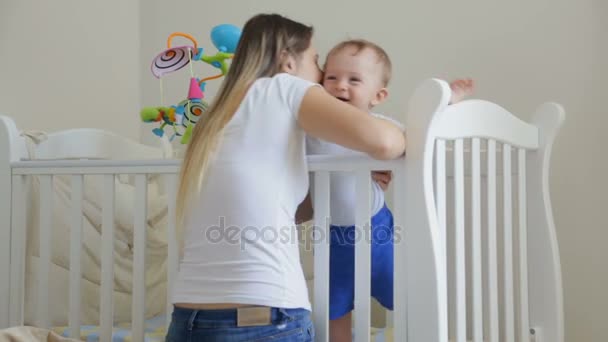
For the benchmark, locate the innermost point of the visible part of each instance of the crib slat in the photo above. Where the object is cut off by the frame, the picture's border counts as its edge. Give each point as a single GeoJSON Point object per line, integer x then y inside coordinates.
{"type": "Point", "coordinates": [440, 191]}
{"type": "Point", "coordinates": [441, 203]}
{"type": "Point", "coordinates": [362, 312]}
{"type": "Point", "coordinates": [139, 257]}
{"type": "Point", "coordinates": [524, 323]}
{"type": "Point", "coordinates": [460, 275]}
{"type": "Point", "coordinates": [400, 259]}
{"type": "Point", "coordinates": [492, 255]}
{"type": "Point", "coordinates": [6, 208]}
{"type": "Point", "coordinates": [17, 261]}
{"type": "Point", "coordinates": [509, 312]}
{"type": "Point", "coordinates": [107, 260]}
{"type": "Point", "coordinates": [321, 255]}
{"type": "Point", "coordinates": [46, 207]}
{"type": "Point", "coordinates": [75, 249]}
{"type": "Point", "coordinates": [477, 309]}
{"type": "Point", "coordinates": [173, 258]}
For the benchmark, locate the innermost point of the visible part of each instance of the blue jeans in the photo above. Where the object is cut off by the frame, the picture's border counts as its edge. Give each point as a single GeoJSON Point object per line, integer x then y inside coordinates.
{"type": "Point", "coordinates": [288, 325]}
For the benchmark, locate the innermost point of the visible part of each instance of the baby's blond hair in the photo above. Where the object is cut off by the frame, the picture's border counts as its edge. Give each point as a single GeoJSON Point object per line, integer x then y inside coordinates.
{"type": "Point", "coordinates": [361, 44]}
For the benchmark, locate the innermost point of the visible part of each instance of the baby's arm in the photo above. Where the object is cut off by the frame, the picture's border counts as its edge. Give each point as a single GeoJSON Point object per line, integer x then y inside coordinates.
{"type": "Point", "coordinates": [305, 211]}
{"type": "Point", "coordinates": [461, 88]}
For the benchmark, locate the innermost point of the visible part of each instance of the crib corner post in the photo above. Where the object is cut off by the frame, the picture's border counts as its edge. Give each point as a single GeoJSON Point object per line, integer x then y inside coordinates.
{"type": "Point", "coordinates": [426, 274]}
{"type": "Point", "coordinates": [12, 148]}
{"type": "Point", "coordinates": [7, 139]}
{"type": "Point", "coordinates": [544, 270]}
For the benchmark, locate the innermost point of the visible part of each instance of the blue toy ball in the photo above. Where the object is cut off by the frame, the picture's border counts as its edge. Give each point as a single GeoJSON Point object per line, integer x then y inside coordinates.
{"type": "Point", "coordinates": [225, 37]}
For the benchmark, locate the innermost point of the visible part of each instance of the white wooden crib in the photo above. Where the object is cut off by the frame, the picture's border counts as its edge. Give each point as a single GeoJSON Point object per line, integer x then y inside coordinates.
{"type": "Point", "coordinates": [476, 258]}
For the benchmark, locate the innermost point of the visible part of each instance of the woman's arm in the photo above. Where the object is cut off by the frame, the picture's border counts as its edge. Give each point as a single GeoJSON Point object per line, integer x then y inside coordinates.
{"type": "Point", "coordinates": [327, 118]}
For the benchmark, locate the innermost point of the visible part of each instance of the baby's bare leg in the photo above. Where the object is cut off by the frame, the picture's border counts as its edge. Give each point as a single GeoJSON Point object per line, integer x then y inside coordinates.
{"type": "Point", "coordinates": [340, 329]}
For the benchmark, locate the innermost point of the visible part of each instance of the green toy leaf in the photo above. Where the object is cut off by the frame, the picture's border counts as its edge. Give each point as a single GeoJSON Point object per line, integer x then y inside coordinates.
{"type": "Point", "coordinates": [187, 134]}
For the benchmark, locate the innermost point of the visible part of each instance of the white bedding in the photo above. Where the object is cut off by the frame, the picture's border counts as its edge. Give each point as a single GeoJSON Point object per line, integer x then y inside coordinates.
{"type": "Point", "coordinates": [31, 334]}
{"type": "Point", "coordinates": [91, 253]}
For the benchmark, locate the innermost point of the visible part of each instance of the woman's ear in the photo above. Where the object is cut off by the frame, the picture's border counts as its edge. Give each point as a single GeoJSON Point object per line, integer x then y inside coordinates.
{"type": "Point", "coordinates": [288, 63]}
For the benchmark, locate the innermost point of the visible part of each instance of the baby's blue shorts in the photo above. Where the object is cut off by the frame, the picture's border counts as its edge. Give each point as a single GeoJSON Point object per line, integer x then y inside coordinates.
{"type": "Point", "coordinates": [342, 264]}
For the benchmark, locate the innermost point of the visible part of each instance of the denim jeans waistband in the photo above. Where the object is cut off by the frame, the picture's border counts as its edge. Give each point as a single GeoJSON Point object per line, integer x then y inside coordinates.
{"type": "Point", "coordinates": [217, 318]}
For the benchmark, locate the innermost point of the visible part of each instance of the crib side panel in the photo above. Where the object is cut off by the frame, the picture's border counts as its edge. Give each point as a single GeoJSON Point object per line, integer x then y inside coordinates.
{"type": "Point", "coordinates": [509, 288]}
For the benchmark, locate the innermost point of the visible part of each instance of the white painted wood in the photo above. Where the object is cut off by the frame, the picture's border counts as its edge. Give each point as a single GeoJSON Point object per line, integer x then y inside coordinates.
{"type": "Point", "coordinates": [321, 239]}
{"type": "Point", "coordinates": [426, 280]}
{"type": "Point", "coordinates": [478, 118]}
{"type": "Point", "coordinates": [350, 163]}
{"type": "Point", "coordinates": [17, 250]}
{"type": "Point", "coordinates": [90, 167]}
{"type": "Point", "coordinates": [139, 257]}
{"type": "Point", "coordinates": [107, 260]}
{"type": "Point", "coordinates": [108, 170]}
{"type": "Point", "coordinates": [363, 236]}
{"type": "Point", "coordinates": [400, 242]}
{"type": "Point", "coordinates": [9, 153]}
{"type": "Point", "coordinates": [492, 244]}
{"type": "Point", "coordinates": [450, 238]}
{"type": "Point", "coordinates": [460, 320]}
{"type": "Point", "coordinates": [75, 255]}
{"type": "Point", "coordinates": [508, 283]}
{"type": "Point", "coordinates": [544, 270]}
{"type": "Point", "coordinates": [5, 234]}
{"type": "Point", "coordinates": [171, 166]}
{"type": "Point", "coordinates": [440, 192]}
{"type": "Point", "coordinates": [173, 253]}
{"type": "Point", "coordinates": [524, 316]}
{"type": "Point", "coordinates": [476, 255]}
{"type": "Point", "coordinates": [536, 334]}
{"type": "Point", "coordinates": [46, 207]}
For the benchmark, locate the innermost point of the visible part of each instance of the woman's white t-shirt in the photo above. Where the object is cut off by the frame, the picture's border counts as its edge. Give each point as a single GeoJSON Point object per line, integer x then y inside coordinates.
{"type": "Point", "coordinates": [241, 243]}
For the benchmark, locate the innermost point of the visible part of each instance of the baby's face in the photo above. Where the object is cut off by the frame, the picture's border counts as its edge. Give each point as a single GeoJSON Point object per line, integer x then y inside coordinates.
{"type": "Point", "coordinates": [354, 77]}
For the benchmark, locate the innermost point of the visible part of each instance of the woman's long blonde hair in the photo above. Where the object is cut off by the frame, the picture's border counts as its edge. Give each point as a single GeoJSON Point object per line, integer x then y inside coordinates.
{"type": "Point", "coordinates": [264, 39]}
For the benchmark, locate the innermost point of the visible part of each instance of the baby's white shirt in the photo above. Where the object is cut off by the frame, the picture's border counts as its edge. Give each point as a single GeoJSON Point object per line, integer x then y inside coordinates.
{"type": "Point", "coordinates": [343, 199]}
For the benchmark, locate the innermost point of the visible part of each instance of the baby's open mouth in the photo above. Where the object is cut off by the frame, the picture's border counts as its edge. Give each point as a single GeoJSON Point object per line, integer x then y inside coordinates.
{"type": "Point", "coordinates": [342, 98]}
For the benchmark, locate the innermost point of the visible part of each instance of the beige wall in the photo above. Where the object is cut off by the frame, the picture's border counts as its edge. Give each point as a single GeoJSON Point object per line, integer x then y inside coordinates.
{"type": "Point", "coordinates": [581, 186]}
{"type": "Point", "coordinates": [70, 63]}
{"type": "Point", "coordinates": [89, 62]}
{"type": "Point", "coordinates": [520, 53]}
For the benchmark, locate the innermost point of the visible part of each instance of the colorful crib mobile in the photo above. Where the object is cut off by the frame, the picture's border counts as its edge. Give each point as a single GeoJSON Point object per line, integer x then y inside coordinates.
{"type": "Point", "coordinates": [182, 118]}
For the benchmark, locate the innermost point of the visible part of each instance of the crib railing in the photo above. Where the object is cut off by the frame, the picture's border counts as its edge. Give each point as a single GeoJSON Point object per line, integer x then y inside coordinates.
{"type": "Point", "coordinates": [44, 171]}
{"type": "Point", "coordinates": [492, 226]}
{"type": "Point", "coordinates": [477, 258]}
{"type": "Point", "coordinates": [321, 166]}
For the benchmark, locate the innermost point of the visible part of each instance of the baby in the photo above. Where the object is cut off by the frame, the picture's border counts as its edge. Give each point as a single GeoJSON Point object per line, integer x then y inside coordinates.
{"type": "Point", "coordinates": [358, 72]}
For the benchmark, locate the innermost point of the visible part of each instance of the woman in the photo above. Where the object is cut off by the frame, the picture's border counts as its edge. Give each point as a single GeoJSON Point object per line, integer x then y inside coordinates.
{"type": "Point", "coordinates": [242, 178]}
